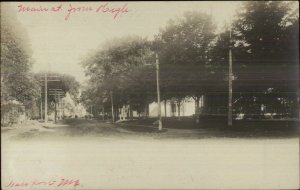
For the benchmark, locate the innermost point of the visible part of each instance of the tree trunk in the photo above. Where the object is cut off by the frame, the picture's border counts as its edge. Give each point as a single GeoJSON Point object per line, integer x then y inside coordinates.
{"type": "Point", "coordinates": [41, 111]}
{"type": "Point", "coordinates": [197, 107]}
{"type": "Point", "coordinates": [115, 113]}
{"type": "Point", "coordinates": [126, 112]}
{"type": "Point", "coordinates": [204, 101]}
{"type": "Point", "coordinates": [178, 106]}
{"type": "Point", "coordinates": [146, 110]}
{"type": "Point", "coordinates": [112, 107]}
{"type": "Point", "coordinates": [103, 113]}
{"type": "Point", "coordinates": [55, 112]}
{"type": "Point", "coordinates": [196, 99]}
{"type": "Point", "coordinates": [139, 110]}
{"type": "Point", "coordinates": [130, 111]}
{"type": "Point", "coordinates": [165, 108]}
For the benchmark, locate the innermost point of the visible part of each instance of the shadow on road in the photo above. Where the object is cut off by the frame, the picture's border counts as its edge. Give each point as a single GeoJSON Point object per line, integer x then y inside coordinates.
{"type": "Point", "coordinates": [88, 128]}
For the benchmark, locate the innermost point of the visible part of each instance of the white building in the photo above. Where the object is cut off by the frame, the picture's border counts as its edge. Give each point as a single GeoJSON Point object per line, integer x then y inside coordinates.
{"type": "Point", "coordinates": [170, 109]}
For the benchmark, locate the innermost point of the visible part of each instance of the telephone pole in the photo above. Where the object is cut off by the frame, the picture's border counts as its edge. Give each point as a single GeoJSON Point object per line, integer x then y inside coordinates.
{"type": "Point", "coordinates": [41, 106]}
{"type": "Point", "coordinates": [92, 109]}
{"type": "Point", "coordinates": [52, 92]}
{"type": "Point", "coordinates": [46, 99]}
{"type": "Point", "coordinates": [230, 82]}
{"type": "Point", "coordinates": [112, 107]}
{"type": "Point", "coordinates": [158, 94]}
{"type": "Point", "coordinates": [55, 106]}
{"type": "Point", "coordinates": [103, 113]}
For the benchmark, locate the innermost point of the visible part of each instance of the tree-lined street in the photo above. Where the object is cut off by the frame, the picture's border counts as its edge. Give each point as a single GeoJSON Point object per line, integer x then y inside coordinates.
{"type": "Point", "coordinates": [165, 95]}
{"type": "Point", "coordinates": [249, 68]}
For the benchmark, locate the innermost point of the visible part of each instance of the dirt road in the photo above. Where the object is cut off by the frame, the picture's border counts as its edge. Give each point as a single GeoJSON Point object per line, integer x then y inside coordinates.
{"type": "Point", "coordinates": [86, 154]}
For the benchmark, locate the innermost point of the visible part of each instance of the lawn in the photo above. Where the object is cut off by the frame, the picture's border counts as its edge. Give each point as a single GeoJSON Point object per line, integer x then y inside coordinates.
{"type": "Point", "coordinates": [218, 127]}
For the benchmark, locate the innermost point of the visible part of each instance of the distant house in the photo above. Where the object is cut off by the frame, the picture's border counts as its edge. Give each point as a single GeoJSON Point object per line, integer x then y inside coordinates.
{"type": "Point", "coordinates": [211, 104]}
{"type": "Point", "coordinates": [170, 108]}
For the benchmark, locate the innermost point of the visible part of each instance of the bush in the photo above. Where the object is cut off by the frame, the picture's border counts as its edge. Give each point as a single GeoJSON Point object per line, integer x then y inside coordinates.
{"type": "Point", "coordinates": [10, 113]}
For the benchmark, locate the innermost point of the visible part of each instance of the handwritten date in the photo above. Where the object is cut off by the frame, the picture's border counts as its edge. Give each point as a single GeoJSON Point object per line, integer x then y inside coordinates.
{"type": "Point", "coordinates": [45, 183]}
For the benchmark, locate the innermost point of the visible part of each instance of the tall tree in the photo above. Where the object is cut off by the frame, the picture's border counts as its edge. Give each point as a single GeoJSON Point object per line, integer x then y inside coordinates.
{"type": "Point", "coordinates": [119, 67]}
{"type": "Point", "coordinates": [184, 46]}
{"type": "Point", "coordinates": [17, 83]}
{"type": "Point", "coordinates": [266, 51]}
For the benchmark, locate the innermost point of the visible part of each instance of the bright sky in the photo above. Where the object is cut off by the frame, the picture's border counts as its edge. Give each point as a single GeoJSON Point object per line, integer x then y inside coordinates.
{"type": "Point", "coordinates": [59, 44]}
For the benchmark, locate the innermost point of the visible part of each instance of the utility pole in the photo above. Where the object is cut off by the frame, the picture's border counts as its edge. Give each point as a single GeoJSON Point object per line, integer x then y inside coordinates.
{"type": "Point", "coordinates": [63, 109]}
{"type": "Point", "coordinates": [54, 93]}
{"type": "Point", "coordinates": [92, 109]}
{"type": "Point", "coordinates": [41, 104]}
{"type": "Point", "coordinates": [55, 108]}
{"type": "Point", "coordinates": [59, 108]}
{"type": "Point", "coordinates": [112, 107]}
{"type": "Point", "coordinates": [158, 94]}
{"type": "Point", "coordinates": [230, 82]}
{"type": "Point", "coordinates": [103, 113]}
{"type": "Point", "coordinates": [46, 99]}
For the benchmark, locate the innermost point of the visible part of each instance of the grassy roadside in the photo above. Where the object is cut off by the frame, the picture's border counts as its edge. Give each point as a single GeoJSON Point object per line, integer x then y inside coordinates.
{"type": "Point", "coordinates": [185, 128]}
{"type": "Point", "coordinates": [218, 127]}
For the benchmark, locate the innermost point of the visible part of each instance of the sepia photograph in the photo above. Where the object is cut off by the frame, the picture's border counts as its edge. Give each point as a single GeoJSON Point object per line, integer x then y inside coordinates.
{"type": "Point", "coordinates": [150, 95]}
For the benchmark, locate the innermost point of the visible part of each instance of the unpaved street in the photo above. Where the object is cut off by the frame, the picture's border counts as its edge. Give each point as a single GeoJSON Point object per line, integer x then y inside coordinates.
{"type": "Point", "coordinates": [102, 156]}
